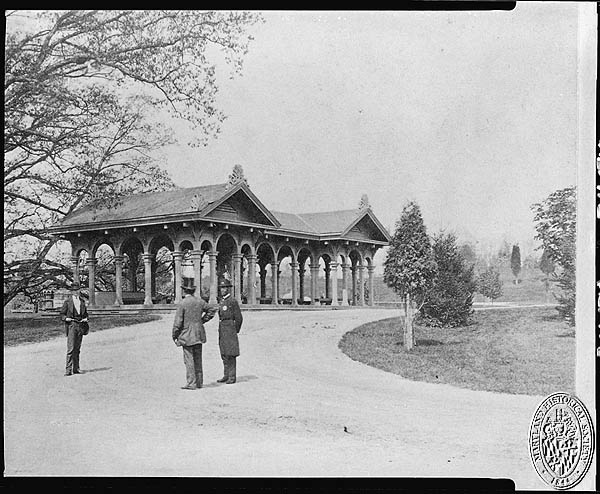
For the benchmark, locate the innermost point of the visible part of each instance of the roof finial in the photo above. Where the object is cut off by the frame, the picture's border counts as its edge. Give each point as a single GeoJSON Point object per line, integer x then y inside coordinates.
{"type": "Point", "coordinates": [198, 202]}
{"type": "Point", "coordinates": [237, 176]}
{"type": "Point", "coordinates": [364, 203]}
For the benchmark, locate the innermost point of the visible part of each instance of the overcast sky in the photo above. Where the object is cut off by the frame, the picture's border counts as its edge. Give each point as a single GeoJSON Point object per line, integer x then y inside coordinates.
{"type": "Point", "coordinates": [471, 114]}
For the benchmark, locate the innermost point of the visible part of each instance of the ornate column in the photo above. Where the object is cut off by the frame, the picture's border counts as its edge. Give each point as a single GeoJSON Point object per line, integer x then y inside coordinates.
{"type": "Point", "coordinates": [75, 263]}
{"type": "Point", "coordinates": [301, 271]}
{"type": "Point", "coordinates": [294, 268]}
{"type": "Point", "coordinates": [333, 280]}
{"type": "Point", "coordinates": [212, 262]}
{"type": "Point", "coordinates": [147, 257]}
{"type": "Point", "coordinates": [314, 277]}
{"type": "Point", "coordinates": [371, 271]}
{"type": "Point", "coordinates": [118, 280]}
{"type": "Point", "coordinates": [274, 279]}
{"type": "Point", "coordinates": [263, 281]}
{"type": "Point", "coordinates": [90, 262]}
{"type": "Point", "coordinates": [252, 279]}
{"type": "Point", "coordinates": [237, 270]}
{"type": "Point", "coordinates": [353, 269]}
{"type": "Point", "coordinates": [177, 274]}
{"type": "Point", "coordinates": [361, 285]}
{"type": "Point", "coordinates": [345, 269]}
{"type": "Point", "coordinates": [327, 278]}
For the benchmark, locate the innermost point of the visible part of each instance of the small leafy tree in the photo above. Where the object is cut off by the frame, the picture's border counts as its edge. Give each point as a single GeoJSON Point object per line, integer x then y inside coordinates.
{"type": "Point", "coordinates": [555, 223]}
{"type": "Point", "coordinates": [489, 283]}
{"type": "Point", "coordinates": [449, 302]}
{"type": "Point", "coordinates": [409, 267]}
{"type": "Point", "coordinates": [515, 262]}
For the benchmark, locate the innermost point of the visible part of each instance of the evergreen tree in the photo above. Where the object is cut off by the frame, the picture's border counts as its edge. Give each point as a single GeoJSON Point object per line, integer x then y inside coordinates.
{"type": "Point", "coordinates": [449, 302]}
{"type": "Point", "coordinates": [515, 262]}
{"type": "Point", "coordinates": [409, 268]}
{"type": "Point", "coordinates": [489, 283]}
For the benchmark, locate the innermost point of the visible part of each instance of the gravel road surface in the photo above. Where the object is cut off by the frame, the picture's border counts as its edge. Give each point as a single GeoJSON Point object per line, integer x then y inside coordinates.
{"type": "Point", "coordinates": [300, 408]}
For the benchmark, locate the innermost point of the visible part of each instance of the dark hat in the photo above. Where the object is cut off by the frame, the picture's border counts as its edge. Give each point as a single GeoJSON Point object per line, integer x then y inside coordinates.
{"type": "Point", "coordinates": [75, 286]}
{"type": "Point", "coordinates": [225, 283]}
{"type": "Point", "coordinates": [188, 284]}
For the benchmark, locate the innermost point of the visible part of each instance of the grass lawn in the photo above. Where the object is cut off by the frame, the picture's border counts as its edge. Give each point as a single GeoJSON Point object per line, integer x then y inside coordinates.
{"type": "Point", "coordinates": [35, 329]}
{"type": "Point", "coordinates": [517, 351]}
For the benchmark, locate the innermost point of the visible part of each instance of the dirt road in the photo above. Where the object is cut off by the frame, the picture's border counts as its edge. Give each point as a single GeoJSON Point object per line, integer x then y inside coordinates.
{"type": "Point", "coordinates": [300, 408]}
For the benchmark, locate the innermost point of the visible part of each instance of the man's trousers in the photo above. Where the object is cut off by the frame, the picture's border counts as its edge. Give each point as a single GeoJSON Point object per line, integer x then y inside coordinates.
{"type": "Point", "coordinates": [228, 367]}
{"type": "Point", "coordinates": [74, 339]}
{"type": "Point", "coordinates": [192, 358]}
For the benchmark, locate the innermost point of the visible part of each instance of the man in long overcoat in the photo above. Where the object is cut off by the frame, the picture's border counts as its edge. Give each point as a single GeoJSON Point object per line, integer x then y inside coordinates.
{"type": "Point", "coordinates": [230, 323]}
{"type": "Point", "coordinates": [73, 313]}
{"type": "Point", "coordinates": [189, 333]}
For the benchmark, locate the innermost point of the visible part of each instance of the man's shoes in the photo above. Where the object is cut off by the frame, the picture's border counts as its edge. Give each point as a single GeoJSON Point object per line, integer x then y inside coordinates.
{"type": "Point", "coordinates": [230, 381]}
{"type": "Point", "coordinates": [77, 372]}
{"type": "Point", "coordinates": [222, 380]}
{"type": "Point", "coordinates": [189, 387]}
{"type": "Point", "coordinates": [68, 373]}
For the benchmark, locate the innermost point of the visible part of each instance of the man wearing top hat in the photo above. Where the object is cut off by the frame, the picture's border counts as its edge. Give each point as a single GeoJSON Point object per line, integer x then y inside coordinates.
{"type": "Point", "coordinates": [73, 313]}
{"type": "Point", "coordinates": [230, 323]}
{"type": "Point", "coordinates": [189, 333]}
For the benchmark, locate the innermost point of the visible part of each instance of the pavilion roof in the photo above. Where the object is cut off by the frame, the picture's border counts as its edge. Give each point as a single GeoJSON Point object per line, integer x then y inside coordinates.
{"type": "Point", "coordinates": [149, 204]}
{"type": "Point", "coordinates": [210, 202]}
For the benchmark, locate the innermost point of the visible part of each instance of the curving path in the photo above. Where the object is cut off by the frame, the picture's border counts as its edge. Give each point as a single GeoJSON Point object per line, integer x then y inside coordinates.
{"type": "Point", "coordinates": [296, 392]}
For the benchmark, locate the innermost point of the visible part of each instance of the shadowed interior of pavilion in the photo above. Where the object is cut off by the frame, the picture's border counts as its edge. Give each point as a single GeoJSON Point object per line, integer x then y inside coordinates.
{"type": "Point", "coordinates": [134, 255]}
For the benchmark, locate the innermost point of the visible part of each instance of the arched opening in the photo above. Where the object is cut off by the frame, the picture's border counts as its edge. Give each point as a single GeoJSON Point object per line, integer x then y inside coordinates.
{"type": "Point", "coordinates": [133, 271]}
{"type": "Point", "coordinates": [162, 287]}
{"type": "Point", "coordinates": [305, 295]}
{"type": "Point", "coordinates": [286, 277]}
{"type": "Point", "coordinates": [227, 248]}
{"type": "Point", "coordinates": [105, 282]}
{"type": "Point", "coordinates": [265, 258]}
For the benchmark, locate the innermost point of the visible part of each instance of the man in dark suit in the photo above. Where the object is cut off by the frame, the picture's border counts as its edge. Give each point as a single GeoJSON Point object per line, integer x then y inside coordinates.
{"type": "Point", "coordinates": [230, 323]}
{"type": "Point", "coordinates": [73, 313]}
{"type": "Point", "coordinates": [189, 333]}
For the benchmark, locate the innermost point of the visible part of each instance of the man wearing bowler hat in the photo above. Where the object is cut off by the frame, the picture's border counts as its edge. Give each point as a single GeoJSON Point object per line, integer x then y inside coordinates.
{"type": "Point", "coordinates": [73, 313]}
{"type": "Point", "coordinates": [189, 333]}
{"type": "Point", "coordinates": [230, 323]}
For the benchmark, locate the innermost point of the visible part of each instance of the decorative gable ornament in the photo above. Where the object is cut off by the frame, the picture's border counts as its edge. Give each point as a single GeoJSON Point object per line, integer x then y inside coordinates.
{"type": "Point", "coordinates": [237, 176]}
{"type": "Point", "coordinates": [198, 202]}
{"type": "Point", "coordinates": [364, 203]}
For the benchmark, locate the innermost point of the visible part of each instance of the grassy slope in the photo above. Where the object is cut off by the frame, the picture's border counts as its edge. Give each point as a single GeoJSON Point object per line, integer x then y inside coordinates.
{"type": "Point", "coordinates": [519, 351]}
{"type": "Point", "coordinates": [32, 330]}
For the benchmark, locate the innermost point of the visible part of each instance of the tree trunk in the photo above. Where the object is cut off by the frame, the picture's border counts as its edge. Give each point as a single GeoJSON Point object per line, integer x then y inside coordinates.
{"type": "Point", "coordinates": [408, 327]}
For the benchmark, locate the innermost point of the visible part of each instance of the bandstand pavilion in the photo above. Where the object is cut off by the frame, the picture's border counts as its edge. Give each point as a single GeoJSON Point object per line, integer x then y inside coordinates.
{"type": "Point", "coordinates": [228, 226]}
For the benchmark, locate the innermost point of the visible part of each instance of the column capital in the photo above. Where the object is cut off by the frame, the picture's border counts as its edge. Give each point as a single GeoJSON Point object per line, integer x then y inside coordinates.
{"type": "Point", "coordinates": [213, 253]}
{"type": "Point", "coordinates": [90, 261]}
{"type": "Point", "coordinates": [177, 254]}
{"type": "Point", "coordinates": [344, 265]}
{"type": "Point", "coordinates": [252, 257]}
{"type": "Point", "coordinates": [333, 265]}
{"type": "Point", "coordinates": [237, 256]}
{"type": "Point", "coordinates": [294, 264]}
{"type": "Point", "coordinates": [370, 269]}
{"type": "Point", "coordinates": [118, 258]}
{"type": "Point", "coordinates": [196, 253]}
{"type": "Point", "coordinates": [74, 258]}
{"type": "Point", "coordinates": [147, 257]}
{"type": "Point", "coordinates": [314, 266]}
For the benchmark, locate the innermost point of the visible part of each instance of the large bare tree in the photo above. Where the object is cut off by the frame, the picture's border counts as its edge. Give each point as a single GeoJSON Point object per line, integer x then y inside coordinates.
{"type": "Point", "coordinates": [81, 94]}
